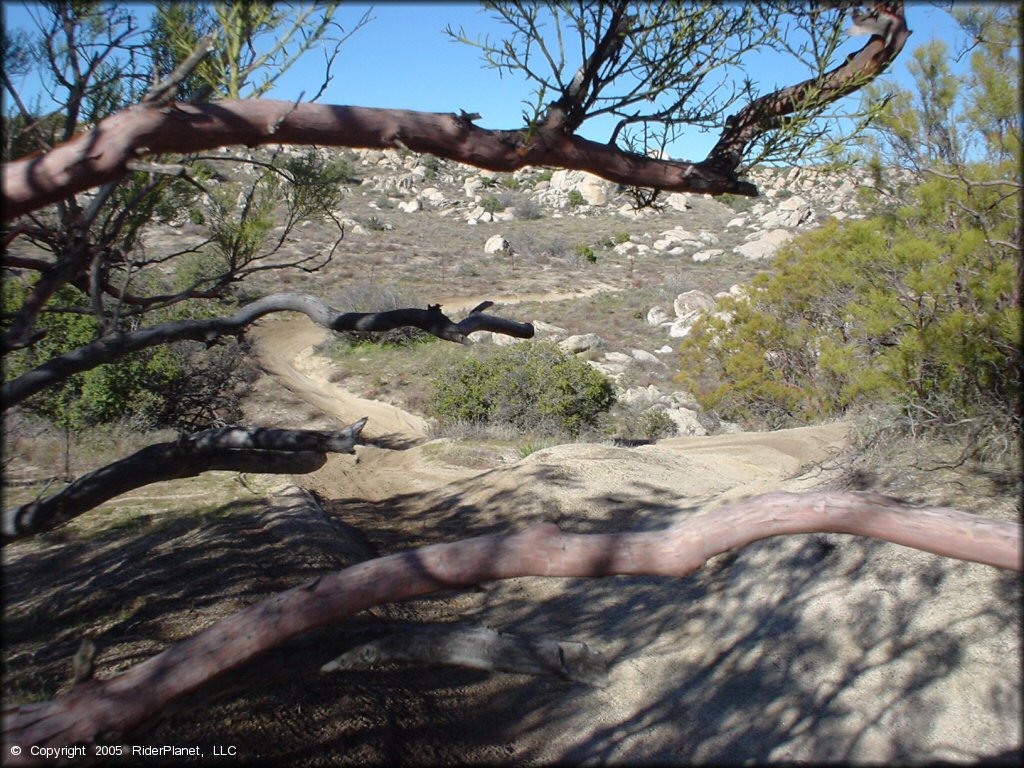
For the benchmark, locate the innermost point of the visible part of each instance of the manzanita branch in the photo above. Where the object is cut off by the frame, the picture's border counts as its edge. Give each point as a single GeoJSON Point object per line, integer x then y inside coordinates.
{"type": "Point", "coordinates": [113, 708]}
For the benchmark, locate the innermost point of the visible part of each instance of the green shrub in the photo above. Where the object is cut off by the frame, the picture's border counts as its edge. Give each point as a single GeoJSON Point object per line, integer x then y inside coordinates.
{"type": "Point", "coordinates": [585, 252]}
{"type": "Point", "coordinates": [739, 203]}
{"type": "Point", "coordinates": [433, 166]}
{"type": "Point", "coordinates": [492, 204]}
{"type": "Point", "coordinates": [882, 310]}
{"type": "Point", "coordinates": [575, 198]}
{"type": "Point", "coordinates": [154, 387]}
{"type": "Point", "coordinates": [511, 183]}
{"type": "Point", "coordinates": [533, 387]}
{"type": "Point", "coordinates": [656, 424]}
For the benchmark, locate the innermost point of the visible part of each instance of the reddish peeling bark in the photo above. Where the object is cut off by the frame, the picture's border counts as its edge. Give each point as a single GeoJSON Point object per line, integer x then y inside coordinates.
{"type": "Point", "coordinates": [102, 154]}
{"type": "Point", "coordinates": [858, 70]}
{"type": "Point", "coordinates": [113, 708]}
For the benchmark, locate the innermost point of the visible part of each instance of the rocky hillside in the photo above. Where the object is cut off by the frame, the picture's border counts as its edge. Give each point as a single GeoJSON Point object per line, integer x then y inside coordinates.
{"type": "Point", "coordinates": [433, 228]}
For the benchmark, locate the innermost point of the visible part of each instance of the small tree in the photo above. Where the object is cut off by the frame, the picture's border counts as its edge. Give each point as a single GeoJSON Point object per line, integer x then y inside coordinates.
{"type": "Point", "coordinates": [920, 306]}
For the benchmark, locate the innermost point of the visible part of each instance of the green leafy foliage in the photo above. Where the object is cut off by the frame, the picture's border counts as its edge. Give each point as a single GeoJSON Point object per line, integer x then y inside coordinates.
{"type": "Point", "coordinates": [918, 307]}
{"type": "Point", "coordinates": [533, 387]}
{"type": "Point", "coordinates": [585, 252]}
{"type": "Point", "coordinates": [161, 386]}
{"type": "Point", "coordinates": [492, 204]}
{"type": "Point", "coordinates": [883, 310]}
{"type": "Point", "coordinates": [575, 198]}
{"type": "Point", "coordinates": [655, 424]}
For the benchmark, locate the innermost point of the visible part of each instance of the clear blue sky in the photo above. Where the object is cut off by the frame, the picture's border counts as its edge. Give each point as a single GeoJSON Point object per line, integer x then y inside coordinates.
{"type": "Point", "coordinates": [403, 59]}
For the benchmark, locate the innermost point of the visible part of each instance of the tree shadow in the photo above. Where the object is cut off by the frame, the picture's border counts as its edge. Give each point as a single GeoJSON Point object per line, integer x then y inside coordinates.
{"type": "Point", "coordinates": [807, 648]}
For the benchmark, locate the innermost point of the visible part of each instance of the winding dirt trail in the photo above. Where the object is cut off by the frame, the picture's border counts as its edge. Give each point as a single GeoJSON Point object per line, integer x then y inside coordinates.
{"type": "Point", "coordinates": [285, 347]}
{"type": "Point", "coordinates": [799, 648]}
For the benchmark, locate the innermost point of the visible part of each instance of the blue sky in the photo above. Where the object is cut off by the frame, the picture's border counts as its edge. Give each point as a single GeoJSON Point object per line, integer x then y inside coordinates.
{"type": "Point", "coordinates": [403, 59]}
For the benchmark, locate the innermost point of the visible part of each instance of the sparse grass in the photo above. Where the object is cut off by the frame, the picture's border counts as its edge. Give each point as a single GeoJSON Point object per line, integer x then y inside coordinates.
{"type": "Point", "coordinates": [193, 500]}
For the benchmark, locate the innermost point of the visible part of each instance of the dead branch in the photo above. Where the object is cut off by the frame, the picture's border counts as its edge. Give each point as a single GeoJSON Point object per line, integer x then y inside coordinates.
{"type": "Point", "coordinates": [113, 708]}
{"type": "Point", "coordinates": [115, 345]}
{"type": "Point", "coordinates": [239, 449]}
{"type": "Point", "coordinates": [477, 648]}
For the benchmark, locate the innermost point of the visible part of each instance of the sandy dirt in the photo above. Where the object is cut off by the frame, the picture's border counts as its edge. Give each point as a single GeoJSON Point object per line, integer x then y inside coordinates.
{"type": "Point", "coordinates": [819, 648]}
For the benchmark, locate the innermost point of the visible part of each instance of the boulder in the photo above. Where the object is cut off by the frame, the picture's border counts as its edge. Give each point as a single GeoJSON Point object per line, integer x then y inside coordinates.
{"type": "Point", "coordinates": [497, 244]}
{"type": "Point", "coordinates": [593, 188]}
{"type": "Point", "coordinates": [641, 397]}
{"type": "Point", "coordinates": [644, 357]}
{"type": "Point", "coordinates": [581, 343]}
{"type": "Point", "coordinates": [410, 206]}
{"type": "Point", "coordinates": [764, 246]}
{"type": "Point", "coordinates": [708, 253]}
{"type": "Point", "coordinates": [433, 195]}
{"type": "Point", "coordinates": [658, 316]}
{"type": "Point", "coordinates": [678, 201]}
{"type": "Point", "coordinates": [681, 327]}
{"type": "Point", "coordinates": [613, 371]}
{"type": "Point", "coordinates": [618, 358]}
{"type": "Point", "coordinates": [544, 330]}
{"type": "Point", "coordinates": [686, 421]}
{"type": "Point", "coordinates": [501, 340]}
{"type": "Point", "coordinates": [790, 213]}
{"type": "Point", "coordinates": [690, 301]}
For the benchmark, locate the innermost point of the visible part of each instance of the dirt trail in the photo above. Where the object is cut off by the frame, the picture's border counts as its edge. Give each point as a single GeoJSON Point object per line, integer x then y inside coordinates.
{"type": "Point", "coordinates": [724, 466]}
{"type": "Point", "coordinates": [816, 648]}
{"type": "Point", "coordinates": [285, 348]}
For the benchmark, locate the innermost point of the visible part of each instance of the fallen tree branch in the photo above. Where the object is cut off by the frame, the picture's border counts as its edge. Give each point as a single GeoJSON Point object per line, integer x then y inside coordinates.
{"type": "Point", "coordinates": [273, 451]}
{"type": "Point", "coordinates": [113, 708]}
{"type": "Point", "coordinates": [477, 648]}
{"type": "Point", "coordinates": [116, 345]}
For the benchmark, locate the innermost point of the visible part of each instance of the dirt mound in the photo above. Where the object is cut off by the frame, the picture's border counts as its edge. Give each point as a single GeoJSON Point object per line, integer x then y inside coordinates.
{"type": "Point", "coordinates": [804, 648]}
{"type": "Point", "coordinates": [813, 648]}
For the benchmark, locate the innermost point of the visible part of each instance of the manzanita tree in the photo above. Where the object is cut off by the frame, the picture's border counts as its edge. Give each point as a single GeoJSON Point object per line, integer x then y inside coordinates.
{"type": "Point", "coordinates": [130, 142]}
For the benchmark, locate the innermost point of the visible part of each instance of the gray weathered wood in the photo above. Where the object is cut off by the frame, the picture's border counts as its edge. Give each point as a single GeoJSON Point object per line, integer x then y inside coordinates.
{"type": "Point", "coordinates": [477, 648]}
{"type": "Point", "coordinates": [274, 451]}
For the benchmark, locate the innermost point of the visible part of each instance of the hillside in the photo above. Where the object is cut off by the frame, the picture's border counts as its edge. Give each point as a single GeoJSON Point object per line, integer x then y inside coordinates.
{"type": "Point", "coordinates": [812, 648]}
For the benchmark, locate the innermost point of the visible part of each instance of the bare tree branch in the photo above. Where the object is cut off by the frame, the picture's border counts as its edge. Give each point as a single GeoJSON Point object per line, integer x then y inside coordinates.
{"type": "Point", "coordinates": [477, 648]}
{"type": "Point", "coordinates": [126, 701]}
{"type": "Point", "coordinates": [241, 449]}
{"type": "Point", "coordinates": [165, 90]}
{"type": "Point", "coordinates": [764, 114]}
{"type": "Point", "coordinates": [116, 345]}
{"type": "Point", "coordinates": [100, 155]}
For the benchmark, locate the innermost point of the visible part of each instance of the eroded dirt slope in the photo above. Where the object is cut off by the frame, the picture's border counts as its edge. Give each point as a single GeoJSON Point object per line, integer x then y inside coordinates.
{"type": "Point", "coordinates": [805, 648]}
{"type": "Point", "coordinates": [815, 648]}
